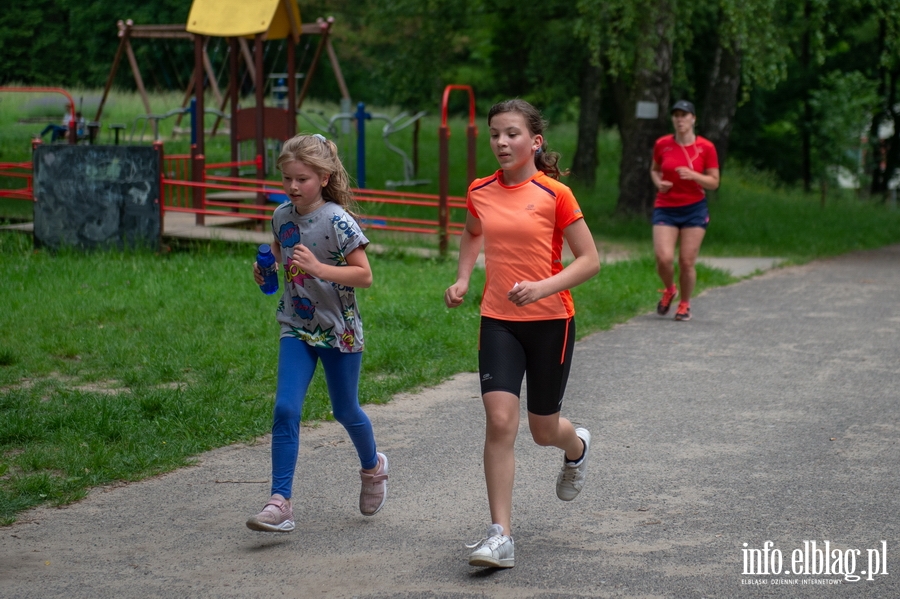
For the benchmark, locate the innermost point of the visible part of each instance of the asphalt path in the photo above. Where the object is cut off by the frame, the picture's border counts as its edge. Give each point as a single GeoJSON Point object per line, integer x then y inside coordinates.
{"type": "Point", "coordinates": [723, 448]}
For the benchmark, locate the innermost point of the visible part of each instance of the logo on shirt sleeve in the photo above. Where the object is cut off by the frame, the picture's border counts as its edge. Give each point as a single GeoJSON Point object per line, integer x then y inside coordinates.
{"type": "Point", "coordinates": [289, 235]}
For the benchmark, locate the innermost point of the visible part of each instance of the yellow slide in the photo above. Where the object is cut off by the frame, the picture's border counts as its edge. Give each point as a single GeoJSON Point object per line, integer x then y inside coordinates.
{"type": "Point", "coordinates": [235, 18]}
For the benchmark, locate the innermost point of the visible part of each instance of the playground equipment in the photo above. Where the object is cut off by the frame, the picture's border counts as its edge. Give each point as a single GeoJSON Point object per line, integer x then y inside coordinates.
{"type": "Point", "coordinates": [142, 121]}
{"type": "Point", "coordinates": [392, 125]}
{"type": "Point", "coordinates": [410, 167]}
{"type": "Point", "coordinates": [444, 158]}
{"type": "Point", "coordinates": [127, 31]}
{"type": "Point", "coordinates": [72, 134]}
{"type": "Point", "coordinates": [234, 19]}
{"type": "Point", "coordinates": [184, 179]}
{"type": "Point", "coordinates": [263, 21]}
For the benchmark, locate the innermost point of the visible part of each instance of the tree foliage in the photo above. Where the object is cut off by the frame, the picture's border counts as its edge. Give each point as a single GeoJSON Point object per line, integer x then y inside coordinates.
{"type": "Point", "coordinates": [758, 70]}
{"type": "Point", "coordinates": [72, 43]}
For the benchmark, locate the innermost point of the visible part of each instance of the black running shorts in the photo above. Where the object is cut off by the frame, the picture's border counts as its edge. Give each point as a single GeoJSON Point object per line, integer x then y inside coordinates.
{"type": "Point", "coordinates": [541, 350]}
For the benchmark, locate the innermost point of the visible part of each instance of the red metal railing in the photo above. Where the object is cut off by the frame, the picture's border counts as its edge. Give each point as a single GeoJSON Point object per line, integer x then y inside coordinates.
{"type": "Point", "coordinates": [238, 195]}
{"type": "Point", "coordinates": [18, 171]}
{"type": "Point", "coordinates": [72, 134]}
{"type": "Point", "coordinates": [176, 167]}
{"type": "Point", "coordinates": [444, 159]}
{"type": "Point", "coordinates": [186, 185]}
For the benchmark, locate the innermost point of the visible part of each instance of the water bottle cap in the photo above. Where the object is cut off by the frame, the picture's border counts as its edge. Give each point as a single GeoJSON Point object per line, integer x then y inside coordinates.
{"type": "Point", "coordinates": [264, 248]}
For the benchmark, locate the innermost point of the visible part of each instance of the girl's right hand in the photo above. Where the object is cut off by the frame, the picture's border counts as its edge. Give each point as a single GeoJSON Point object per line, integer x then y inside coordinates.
{"type": "Point", "coordinates": [665, 186]}
{"type": "Point", "coordinates": [256, 274]}
{"type": "Point", "coordinates": [454, 295]}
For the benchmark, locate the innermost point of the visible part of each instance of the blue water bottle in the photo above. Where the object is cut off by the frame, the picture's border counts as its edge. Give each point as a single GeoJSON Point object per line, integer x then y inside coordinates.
{"type": "Point", "coordinates": [267, 268]}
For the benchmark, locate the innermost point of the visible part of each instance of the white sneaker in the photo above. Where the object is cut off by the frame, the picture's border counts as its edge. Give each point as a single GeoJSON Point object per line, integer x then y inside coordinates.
{"type": "Point", "coordinates": [571, 478]}
{"type": "Point", "coordinates": [496, 550]}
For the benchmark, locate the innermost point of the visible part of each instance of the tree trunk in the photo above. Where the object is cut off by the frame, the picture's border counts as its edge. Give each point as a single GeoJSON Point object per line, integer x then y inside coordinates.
{"type": "Point", "coordinates": [892, 157]}
{"type": "Point", "coordinates": [879, 181]}
{"type": "Point", "coordinates": [720, 103]}
{"type": "Point", "coordinates": [805, 133]}
{"type": "Point", "coordinates": [584, 164]}
{"type": "Point", "coordinates": [885, 152]}
{"type": "Point", "coordinates": [650, 84]}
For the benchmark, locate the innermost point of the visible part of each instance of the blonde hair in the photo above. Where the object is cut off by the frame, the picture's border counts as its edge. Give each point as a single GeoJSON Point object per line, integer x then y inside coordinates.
{"type": "Point", "coordinates": [321, 155]}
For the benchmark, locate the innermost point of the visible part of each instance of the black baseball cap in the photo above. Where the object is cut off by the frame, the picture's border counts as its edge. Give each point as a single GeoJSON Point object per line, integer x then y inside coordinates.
{"type": "Point", "coordinates": [683, 105]}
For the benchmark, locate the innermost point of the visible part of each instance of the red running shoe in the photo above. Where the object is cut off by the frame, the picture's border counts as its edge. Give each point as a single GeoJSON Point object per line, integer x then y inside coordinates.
{"type": "Point", "coordinates": [662, 308]}
{"type": "Point", "coordinates": [683, 312]}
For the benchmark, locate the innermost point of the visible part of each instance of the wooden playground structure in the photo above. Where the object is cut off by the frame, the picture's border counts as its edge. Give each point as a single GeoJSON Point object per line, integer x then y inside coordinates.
{"type": "Point", "coordinates": [187, 184]}
{"type": "Point", "coordinates": [236, 21]}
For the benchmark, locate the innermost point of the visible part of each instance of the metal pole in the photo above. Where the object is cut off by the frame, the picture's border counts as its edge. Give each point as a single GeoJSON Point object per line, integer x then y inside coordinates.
{"type": "Point", "coordinates": [444, 186]}
{"type": "Point", "coordinates": [361, 116]}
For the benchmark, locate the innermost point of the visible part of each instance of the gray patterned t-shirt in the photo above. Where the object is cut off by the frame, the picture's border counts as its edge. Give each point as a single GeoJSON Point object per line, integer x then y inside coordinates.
{"type": "Point", "coordinates": [321, 313]}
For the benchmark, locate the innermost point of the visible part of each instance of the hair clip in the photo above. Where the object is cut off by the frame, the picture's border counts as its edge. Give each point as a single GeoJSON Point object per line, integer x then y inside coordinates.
{"type": "Point", "coordinates": [319, 136]}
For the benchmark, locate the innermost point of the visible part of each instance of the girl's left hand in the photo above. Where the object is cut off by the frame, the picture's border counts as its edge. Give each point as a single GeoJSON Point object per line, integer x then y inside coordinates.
{"type": "Point", "coordinates": [524, 293]}
{"type": "Point", "coordinates": [304, 259]}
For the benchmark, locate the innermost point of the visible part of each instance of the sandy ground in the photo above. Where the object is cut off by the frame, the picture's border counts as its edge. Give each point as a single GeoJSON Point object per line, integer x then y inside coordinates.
{"type": "Point", "coordinates": [771, 416]}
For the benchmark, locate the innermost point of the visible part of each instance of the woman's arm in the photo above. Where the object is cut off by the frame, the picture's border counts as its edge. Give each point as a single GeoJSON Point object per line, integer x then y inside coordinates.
{"type": "Point", "coordinates": [708, 179]}
{"type": "Point", "coordinates": [585, 266]}
{"type": "Point", "coordinates": [656, 176]}
{"type": "Point", "coordinates": [469, 248]}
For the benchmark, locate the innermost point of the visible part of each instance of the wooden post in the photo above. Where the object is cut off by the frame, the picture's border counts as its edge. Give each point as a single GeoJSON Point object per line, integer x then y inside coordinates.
{"type": "Point", "coordinates": [211, 74]}
{"type": "Point", "coordinates": [234, 84]}
{"type": "Point", "coordinates": [124, 32]}
{"type": "Point", "coordinates": [336, 67]}
{"type": "Point", "coordinates": [324, 26]}
{"type": "Point", "coordinates": [260, 114]}
{"type": "Point", "coordinates": [137, 75]}
{"type": "Point", "coordinates": [248, 59]}
{"type": "Point", "coordinates": [292, 87]}
{"type": "Point", "coordinates": [198, 150]}
{"type": "Point", "coordinates": [161, 200]}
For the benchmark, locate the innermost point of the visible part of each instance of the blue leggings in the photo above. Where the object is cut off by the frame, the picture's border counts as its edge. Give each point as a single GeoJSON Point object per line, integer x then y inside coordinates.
{"type": "Point", "coordinates": [296, 364]}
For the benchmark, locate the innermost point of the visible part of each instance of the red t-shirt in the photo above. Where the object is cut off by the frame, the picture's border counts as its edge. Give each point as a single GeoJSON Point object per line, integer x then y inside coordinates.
{"type": "Point", "coordinates": [523, 240]}
{"type": "Point", "coordinates": [669, 154]}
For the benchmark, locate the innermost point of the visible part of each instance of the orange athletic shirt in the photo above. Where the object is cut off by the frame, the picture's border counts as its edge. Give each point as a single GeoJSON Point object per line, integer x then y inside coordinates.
{"type": "Point", "coordinates": [523, 239]}
{"type": "Point", "coordinates": [669, 155]}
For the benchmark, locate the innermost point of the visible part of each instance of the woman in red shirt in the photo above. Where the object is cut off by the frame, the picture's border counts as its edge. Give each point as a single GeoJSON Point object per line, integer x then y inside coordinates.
{"type": "Point", "coordinates": [684, 166]}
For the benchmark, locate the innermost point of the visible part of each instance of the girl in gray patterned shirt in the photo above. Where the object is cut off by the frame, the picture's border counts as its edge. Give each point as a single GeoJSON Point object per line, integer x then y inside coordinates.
{"type": "Point", "coordinates": [323, 254]}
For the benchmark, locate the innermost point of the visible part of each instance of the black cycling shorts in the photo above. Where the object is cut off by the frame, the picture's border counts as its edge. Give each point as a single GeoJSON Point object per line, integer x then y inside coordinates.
{"type": "Point", "coordinates": [541, 350]}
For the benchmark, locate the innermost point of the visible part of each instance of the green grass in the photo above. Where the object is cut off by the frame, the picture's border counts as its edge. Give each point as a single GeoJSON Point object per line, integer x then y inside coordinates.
{"type": "Point", "coordinates": [117, 366]}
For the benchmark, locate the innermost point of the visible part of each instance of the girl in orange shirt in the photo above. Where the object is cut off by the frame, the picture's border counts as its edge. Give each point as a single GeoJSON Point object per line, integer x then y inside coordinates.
{"type": "Point", "coordinates": [521, 214]}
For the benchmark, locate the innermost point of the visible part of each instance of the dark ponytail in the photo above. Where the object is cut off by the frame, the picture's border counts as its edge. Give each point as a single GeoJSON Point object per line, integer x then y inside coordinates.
{"type": "Point", "coordinates": [544, 160]}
